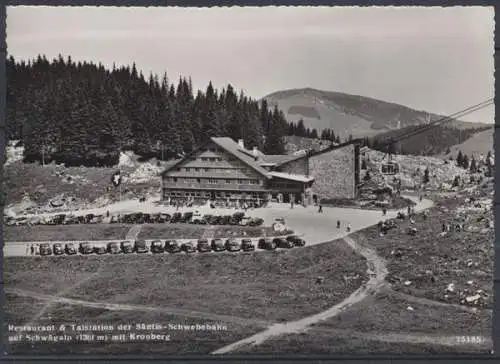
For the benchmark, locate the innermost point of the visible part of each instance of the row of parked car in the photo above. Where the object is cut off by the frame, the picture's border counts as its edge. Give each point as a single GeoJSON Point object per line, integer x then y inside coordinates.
{"type": "Point", "coordinates": [171, 246]}
{"type": "Point", "coordinates": [238, 218]}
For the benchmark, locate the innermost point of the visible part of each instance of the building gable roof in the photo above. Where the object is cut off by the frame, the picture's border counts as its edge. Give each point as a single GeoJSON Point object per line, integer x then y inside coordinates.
{"type": "Point", "coordinates": [278, 159]}
{"type": "Point", "coordinates": [231, 147]}
{"type": "Point", "coordinates": [326, 150]}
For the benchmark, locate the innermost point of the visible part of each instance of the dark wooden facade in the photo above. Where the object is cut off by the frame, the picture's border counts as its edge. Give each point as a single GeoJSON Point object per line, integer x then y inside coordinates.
{"type": "Point", "coordinates": [225, 172]}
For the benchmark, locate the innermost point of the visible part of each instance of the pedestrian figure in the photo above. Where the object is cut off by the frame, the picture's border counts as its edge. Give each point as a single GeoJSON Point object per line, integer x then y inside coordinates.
{"type": "Point", "coordinates": [320, 208]}
{"type": "Point", "coordinates": [348, 227]}
{"type": "Point", "coordinates": [32, 250]}
{"type": "Point", "coordinates": [421, 197]}
{"type": "Point", "coordinates": [338, 224]}
{"type": "Point", "coordinates": [107, 213]}
{"type": "Point", "coordinates": [444, 227]}
{"type": "Point", "coordinates": [380, 224]}
{"type": "Point", "coordinates": [291, 204]}
{"type": "Point", "coordinates": [384, 211]}
{"type": "Point", "coordinates": [409, 210]}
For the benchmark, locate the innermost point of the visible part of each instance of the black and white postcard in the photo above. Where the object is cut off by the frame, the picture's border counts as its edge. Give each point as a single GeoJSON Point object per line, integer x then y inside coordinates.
{"type": "Point", "coordinates": [249, 180]}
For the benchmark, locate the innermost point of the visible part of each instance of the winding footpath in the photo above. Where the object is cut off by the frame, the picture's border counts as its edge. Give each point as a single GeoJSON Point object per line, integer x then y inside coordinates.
{"type": "Point", "coordinates": [376, 270]}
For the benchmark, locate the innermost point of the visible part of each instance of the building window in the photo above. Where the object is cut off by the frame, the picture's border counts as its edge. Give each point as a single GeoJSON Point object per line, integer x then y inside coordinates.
{"type": "Point", "coordinates": [207, 169]}
{"type": "Point", "coordinates": [228, 181]}
{"type": "Point", "coordinates": [196, 169]}
{"type": "Point", "coordinates": [178, 169]}
{"type": "Point", "coordinates": [198, 180]}
{"type": "Point", "coordinates": [197, 194]}
{"type": "Point", "coordinates": [188, 169]}
{"type": "Point", "coordinates": [175, 179]}
{"type": "Point", "coordinates": [212, 181]}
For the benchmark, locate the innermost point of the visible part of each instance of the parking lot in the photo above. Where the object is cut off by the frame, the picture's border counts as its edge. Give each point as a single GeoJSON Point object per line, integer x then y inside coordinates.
{"type": "Point", "coordinates": [313, 226]}
{"type": "Point", "coordinates": [150, 246]}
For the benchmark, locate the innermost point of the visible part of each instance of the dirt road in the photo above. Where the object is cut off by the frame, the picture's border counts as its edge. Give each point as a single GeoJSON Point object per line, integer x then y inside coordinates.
{"type": "Point", "coordinates": [52, 299]}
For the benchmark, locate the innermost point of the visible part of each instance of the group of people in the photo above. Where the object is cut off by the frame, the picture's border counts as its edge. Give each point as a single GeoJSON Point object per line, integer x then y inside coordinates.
{"type": "Point", "coordinates": [348, 226]}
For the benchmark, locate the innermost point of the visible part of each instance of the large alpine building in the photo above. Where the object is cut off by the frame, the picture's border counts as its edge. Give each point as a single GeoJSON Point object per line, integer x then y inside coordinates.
{"type": "Point", "coordinates": [225, 171]}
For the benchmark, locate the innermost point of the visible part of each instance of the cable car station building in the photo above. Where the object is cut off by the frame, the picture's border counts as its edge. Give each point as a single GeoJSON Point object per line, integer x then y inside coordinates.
{"type": "Point", "coordinates": [225, 171]}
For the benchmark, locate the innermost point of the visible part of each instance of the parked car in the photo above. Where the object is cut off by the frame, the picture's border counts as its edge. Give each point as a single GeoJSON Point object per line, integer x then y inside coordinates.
{"type": "Point", "coordinates": [114, 248]}
{"type": "Point", "coordinates": [218, 245]}
{"type": "Point", "coordinates": [203, 246]}
{"type": "Point", "coordinates": [172, 246]}
{"type": "Point", "coordinates": [45, 249]}
{"type": "Point", "coordinates": [232, 245]}
{"type": "Point", "coordinates": [127, 246]}
{"type": "Point", "coordinates": [164, 218]}
{"type": "Point", "coordinates": [58, 249]}
{"type": "Point", "coordinates": [188, 247]}
{"type": "Point", "coordinates": [70, 249]}
{"type": "Point", "coordinates": [247, 245]}
{"type": "Point", "coordinates": [176, 217]}
{"type": "Point", "coordinates": [141, 246]}
{"type": "Point", "coordinates": [157, 246]}
{"type": "Point", "coordinates": [86, 248]}
{"type": "Point", "coordinates": [100, 249]}
{"type": "Point", "coordinates": [297, 241]}
{"type": "Point", "coordinates": [267, 244]}
{"type": "Point", "coordinates": [283, 243]}
{"type": "Point", "coordinates": [197, 218]}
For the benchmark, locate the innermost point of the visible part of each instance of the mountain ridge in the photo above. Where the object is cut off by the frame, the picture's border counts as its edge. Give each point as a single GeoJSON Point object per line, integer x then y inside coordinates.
{"type": "Point", "coordinates": [359, 116]}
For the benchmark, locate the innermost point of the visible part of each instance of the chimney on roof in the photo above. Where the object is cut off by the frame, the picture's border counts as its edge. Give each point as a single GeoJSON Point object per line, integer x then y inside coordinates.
{"type": "Point", "coordinates": [241, 143]}
{"type": "Point", "coordinates": [255, 153]}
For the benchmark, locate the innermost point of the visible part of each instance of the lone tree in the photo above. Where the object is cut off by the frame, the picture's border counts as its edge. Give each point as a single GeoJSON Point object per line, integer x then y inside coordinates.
{"type": "Point", "coordinates": [456, 181]}
{"type": "Point", "coordinates": [465, 162]}
{"type": "Point", "coordinates": [460, 159]}
{"type": "Point", "coordinates": [426, 178]}
{"type": "Point", "coordinates": [473, 165]}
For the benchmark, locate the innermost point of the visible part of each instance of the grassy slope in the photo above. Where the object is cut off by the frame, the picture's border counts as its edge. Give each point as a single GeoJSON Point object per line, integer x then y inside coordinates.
{"type": "Point", "coordinates": [480, 143]}
{"type": "Point", "coordinates": [225, 284]}
{"type": "Point", "coordinates": [447, 257]}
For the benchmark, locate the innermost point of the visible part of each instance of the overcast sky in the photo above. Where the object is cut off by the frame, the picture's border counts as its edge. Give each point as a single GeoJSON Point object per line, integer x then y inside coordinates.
{"type": "Point", "coordinates": [434, 59]}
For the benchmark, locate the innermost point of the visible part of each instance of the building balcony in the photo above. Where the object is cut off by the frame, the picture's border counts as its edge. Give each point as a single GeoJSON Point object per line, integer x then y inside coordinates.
{"type": "Point", "coordinates": [216, 187]}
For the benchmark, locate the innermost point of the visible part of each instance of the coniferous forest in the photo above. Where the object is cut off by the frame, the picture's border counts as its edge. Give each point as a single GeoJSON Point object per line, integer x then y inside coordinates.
{"type": "Point", "coordinates": [80, 113]}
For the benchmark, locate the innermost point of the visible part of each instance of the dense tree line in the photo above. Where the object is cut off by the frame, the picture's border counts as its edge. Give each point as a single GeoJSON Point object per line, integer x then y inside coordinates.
{"type": "Point", "coordinates": [421, 139]}
{"type": "Point", "coordinates": [81, 113]}
{"type": "Point", "coordinates": [299, 129]}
